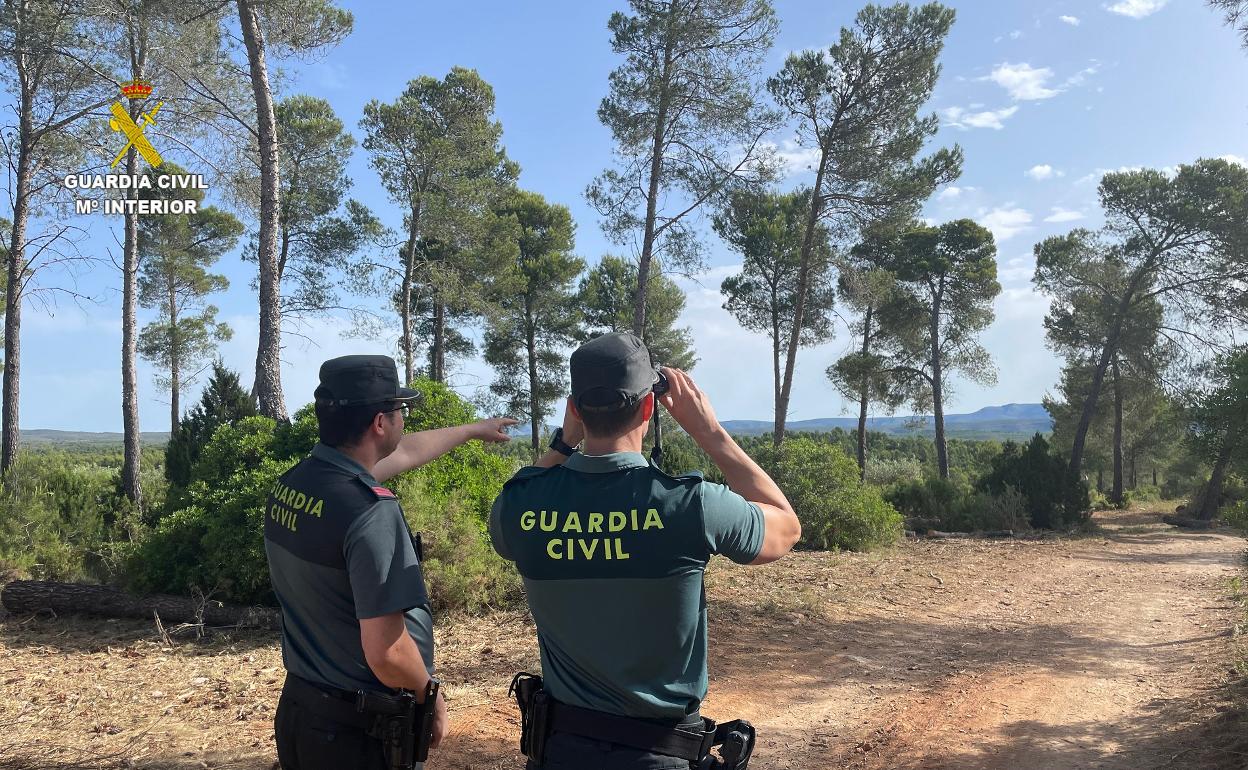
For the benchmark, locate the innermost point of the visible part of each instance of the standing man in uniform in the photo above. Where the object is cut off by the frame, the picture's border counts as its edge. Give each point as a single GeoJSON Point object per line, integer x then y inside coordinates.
{"type": "Point", "coordinates": [612, 551]}
{"type": "Point", "coordinates": [346, 569]}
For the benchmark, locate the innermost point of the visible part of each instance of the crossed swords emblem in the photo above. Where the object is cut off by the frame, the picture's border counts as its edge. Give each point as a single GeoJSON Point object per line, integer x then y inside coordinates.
{"type": "Point", "coordinates": [121, 121]}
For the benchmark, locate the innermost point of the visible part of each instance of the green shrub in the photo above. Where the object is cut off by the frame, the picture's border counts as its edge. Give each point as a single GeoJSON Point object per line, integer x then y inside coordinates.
{"type": "Point", "coordinates": [1146, 493]}
{"type": "Point", "coordinates": [986, 512]}
{"type": "Point", "coordinates": [932, 503]}
{"type": "Point", "coordinates": [1236, 515]}
{"type": "Point", "coordinates": [461, 567]}
{"type": "Point", "coordinates": [215, 544]}
{"type": "Point", "coordinates": [1040, 475]}
{"type": "Point", "coordinates": [58, 513]}
{"type": "Point", "coordinates": [836, 509]}
{"type": "Point", "coordinates": [889, 472]}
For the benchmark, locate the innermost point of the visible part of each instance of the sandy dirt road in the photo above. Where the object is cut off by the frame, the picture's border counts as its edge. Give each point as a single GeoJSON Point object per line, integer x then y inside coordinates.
{"type": "Point", "coordinates": [1101, 651]}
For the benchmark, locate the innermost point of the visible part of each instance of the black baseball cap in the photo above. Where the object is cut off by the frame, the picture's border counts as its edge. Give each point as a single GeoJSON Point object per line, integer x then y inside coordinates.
{"type": "Point", "coordinates": [611, 372]}
{"type": "Point", "coordinates": [361, 381]}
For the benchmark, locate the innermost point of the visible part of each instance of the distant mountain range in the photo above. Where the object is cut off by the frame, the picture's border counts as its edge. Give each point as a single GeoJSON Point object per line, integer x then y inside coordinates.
{"type": "Point", "coordinates": [1018, 421]}
{"type": "Point", "coordinates": [43, 437]}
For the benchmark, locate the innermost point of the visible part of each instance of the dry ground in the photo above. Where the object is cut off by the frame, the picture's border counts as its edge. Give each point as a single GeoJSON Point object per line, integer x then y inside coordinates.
{"type": "Point", "coordinates": [1111, 650]}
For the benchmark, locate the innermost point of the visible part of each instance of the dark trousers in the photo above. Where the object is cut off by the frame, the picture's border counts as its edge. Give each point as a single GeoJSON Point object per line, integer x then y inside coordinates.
{"type": "Point", "coordinates": [307, 741]}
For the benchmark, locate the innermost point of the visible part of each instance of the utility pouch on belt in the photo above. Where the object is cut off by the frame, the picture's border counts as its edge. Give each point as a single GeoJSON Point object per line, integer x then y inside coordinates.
{"type": "Point", "coordinates": [540, 715]}
{"type": "Point", "coordinates": [404, 727]}
{"type": "Point", "coordinates": [534, 706]}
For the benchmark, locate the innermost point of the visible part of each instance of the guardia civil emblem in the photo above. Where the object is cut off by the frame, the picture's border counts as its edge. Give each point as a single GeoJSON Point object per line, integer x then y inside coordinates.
{"type": "Point", "coordinates": [124, 124]}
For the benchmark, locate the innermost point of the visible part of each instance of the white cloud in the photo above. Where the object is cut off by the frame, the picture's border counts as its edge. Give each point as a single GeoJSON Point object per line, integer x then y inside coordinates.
{"type": "Point", "coordinates": [1063, 215]}
{"type": "Point", "coordinates": [960, 118]}
{"type": "Point", "coordinates": [1082, 75]}
{"type": "Point", "coordinates": [1236, 159]}
{"type": "Point", "coordinates": [949, 193]}
{"type": "Point", "coordinates": [1005, 222]}
{"type": "Point", "coordinates": [1071, 20]}
{"type": "Point", "coordinates": [794, 158]}
{"type": "Point", "coordinates": [1023, 81]}
{"type": "Point", "coordinates": [1016, 34]}
{"type": "Point", "coordinates": [1043, 171]}
{"type": "Point", "coordinates": [1017, 270]}
{"type": "Point", "coordinates": [1137, 9]}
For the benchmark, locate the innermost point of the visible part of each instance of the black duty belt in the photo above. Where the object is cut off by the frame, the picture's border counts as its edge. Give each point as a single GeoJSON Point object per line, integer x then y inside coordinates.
{"type": "Point", "coordinates": [328, 702]}
{"type": "Point", "coordinates": [542, 715]}
{"type": "Point", "coordinates": [689, 742]}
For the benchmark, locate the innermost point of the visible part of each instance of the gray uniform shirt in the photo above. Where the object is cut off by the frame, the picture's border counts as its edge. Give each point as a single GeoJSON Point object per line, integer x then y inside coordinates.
{"type": "Point", "coordinates": [339, 550]}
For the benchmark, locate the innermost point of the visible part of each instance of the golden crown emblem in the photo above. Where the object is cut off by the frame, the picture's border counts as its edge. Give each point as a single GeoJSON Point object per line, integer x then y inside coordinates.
{"type": "Point", "coordinates": [136, 89]}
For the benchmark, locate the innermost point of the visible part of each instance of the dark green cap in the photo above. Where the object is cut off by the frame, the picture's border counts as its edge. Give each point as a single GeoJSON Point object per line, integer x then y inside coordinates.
{"type": "Point", "coordinates": [362, 380]}
{"type": "Point", "coordinates": [611, 372]}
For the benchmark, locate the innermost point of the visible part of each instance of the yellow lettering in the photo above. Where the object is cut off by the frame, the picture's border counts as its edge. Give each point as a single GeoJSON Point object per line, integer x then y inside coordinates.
{"type": "Point", "coordinates": [595, 523]}
{"type": "Point", "coordinates": [588, 547]}
{"type": "Point", "coordinates": [617, 522]}
{"type": "Point", "coordinates": [554, 521]}
{"type": "Point", "coordinates": [551, 548]}
{"type": "Point", "coordinates": [316, 509]}
{"type": "Point", "coordinates": [634, 512]}
{"type": "Point", "coordinates": [653, 520]}
{"type": "Point", "coordinates": [300, 499]}
{"type": "Point", "coordinates": [619, 548]}
{"type": "Point", "coordinates": [527, 519]}
{"type": "Point", "coordinates": [573, 523]}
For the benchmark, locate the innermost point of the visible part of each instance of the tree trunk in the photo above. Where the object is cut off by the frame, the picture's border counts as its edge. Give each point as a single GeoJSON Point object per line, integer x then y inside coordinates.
{"type": "Point", "coordinates": [405, 310]}
{"type": "Point", "coordinates": [13, 298]}
{"type": "Point", "coordinates": [530, 346]}
{"type": "Point", "coordinates": [175, 363]}
{"type": "Point", "coordinates": [864, 396]}
{"type": "Point", "coordinates": [938, 392]}
{"type": "Point", "coordinates": [437, 352]}
{"type": "Point", "coordinates": [775, 362]}
{"type": "Point", "coordinates": [1213, 490]}
{"type": "Point", "coordinates": [24, 596]}
{"type": "Point", "coordinates": [1116, 494]}
{"type": "Point", "coordinates": [1100, 479]}
{"type": "Point", "coordinates": [1154, 475]}
{"type": "Point", "coordinates": [268, 384]}
{"type": "Point", "coordinates": [652, 192]}
{"type": "Point", "coordinates": [132, 452]}
{"type": "Point", "coordinates": [799, 305]}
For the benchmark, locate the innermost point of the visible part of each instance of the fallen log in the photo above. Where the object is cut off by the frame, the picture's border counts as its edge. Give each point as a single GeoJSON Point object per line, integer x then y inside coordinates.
{"type": "Point", "coordinates": [1187, 522]}
{"type": "Point", "coordinates": [988, 533]}
{"type": "Point", "coordinates": [30, 596]}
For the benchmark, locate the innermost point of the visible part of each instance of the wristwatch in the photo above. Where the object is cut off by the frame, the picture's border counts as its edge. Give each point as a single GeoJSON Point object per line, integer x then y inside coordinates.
{"type": "Point", "coordinates": [557, 444]}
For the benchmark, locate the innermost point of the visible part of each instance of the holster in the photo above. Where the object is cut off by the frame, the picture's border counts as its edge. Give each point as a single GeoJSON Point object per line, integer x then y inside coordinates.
{"type": "Point", "coordinates": [404, 727]}
{"type": "Point", "coordinates": [534, 704]}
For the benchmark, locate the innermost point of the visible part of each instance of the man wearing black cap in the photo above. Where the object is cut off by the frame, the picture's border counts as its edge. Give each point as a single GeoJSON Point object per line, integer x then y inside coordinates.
{"type": "Point", "coordinates": [612, 551]}
{"type": "Point", "coordinates": [346, 569]}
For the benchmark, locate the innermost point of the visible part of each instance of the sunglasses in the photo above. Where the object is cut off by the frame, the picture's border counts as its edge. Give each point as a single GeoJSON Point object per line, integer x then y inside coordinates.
{"type": "Point", "coordinates": [404, 407]}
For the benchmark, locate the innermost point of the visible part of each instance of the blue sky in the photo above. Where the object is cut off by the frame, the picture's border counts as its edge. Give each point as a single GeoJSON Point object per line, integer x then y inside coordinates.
{"type": "Point", "coordinates": [1043, 98]}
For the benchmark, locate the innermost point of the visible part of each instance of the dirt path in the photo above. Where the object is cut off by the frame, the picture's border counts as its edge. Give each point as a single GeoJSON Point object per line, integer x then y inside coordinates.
{"type": "Point", "coordinates": [1103, 651]}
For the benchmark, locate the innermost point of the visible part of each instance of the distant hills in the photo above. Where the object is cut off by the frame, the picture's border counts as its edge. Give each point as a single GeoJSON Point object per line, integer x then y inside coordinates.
{"type": "Point", "coordinates": [41, 437]}
{"type": "Point", "coordinates": [1016, 421]}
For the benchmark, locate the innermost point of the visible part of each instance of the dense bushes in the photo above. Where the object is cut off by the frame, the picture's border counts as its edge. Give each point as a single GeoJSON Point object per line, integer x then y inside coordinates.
{"type": "Point", "coordinates": [62, 514]}
{"type": "Point", "coordinates": [1040, 475]}
{"type": "Point", "coordinates": [835, 508]}
{"type": "Point", "coordinates": [215, 545]}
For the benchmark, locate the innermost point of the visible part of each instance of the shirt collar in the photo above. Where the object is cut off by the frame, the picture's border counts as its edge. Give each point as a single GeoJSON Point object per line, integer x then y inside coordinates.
{"type": "Point", "coordinates": [616, 461]}
{"type": "Point", "coordinates": [340, 460]}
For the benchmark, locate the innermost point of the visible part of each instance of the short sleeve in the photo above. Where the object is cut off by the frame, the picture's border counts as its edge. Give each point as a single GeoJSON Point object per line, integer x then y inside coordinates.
{"type": "Point", "coordinates": [496, 530]}
{"type": "Point", "coordinates": [382, 567]}
{"type": "Point", "coordinates": [732, 525]}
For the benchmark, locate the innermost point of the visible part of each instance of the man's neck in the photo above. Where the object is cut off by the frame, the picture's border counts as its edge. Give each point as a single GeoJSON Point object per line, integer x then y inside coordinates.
{"type": "Point", "coordinates": [364, 454]}
{"type": "Point", "coordinates": [629, 442]}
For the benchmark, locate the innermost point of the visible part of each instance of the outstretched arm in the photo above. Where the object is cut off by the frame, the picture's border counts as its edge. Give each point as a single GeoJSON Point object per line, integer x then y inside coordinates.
{"type": "Point", "coordinates": [416, 449]}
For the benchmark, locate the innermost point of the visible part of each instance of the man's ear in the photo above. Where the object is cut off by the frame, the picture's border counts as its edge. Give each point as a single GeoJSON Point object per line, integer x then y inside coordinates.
{"type": "Point", "coordinates": [647, 407]}
{"type": "Point", "coordinates": [572, 408]}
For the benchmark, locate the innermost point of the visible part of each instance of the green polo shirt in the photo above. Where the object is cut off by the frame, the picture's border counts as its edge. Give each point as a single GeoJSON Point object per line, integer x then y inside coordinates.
{"type": "Point", "coordinates": [339, 550]}
{"type": "Point", "coordinates": [612, 552]}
